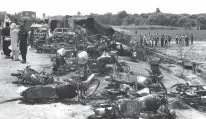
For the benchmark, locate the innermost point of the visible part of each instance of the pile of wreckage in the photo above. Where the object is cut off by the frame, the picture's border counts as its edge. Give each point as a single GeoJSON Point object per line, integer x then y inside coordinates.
{"type": "Point", "coordinates": [127, 95]}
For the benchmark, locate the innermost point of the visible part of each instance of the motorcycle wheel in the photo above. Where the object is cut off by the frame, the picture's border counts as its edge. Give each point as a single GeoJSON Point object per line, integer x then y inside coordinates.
{"type": "Point", "coordinates": [173, 89]}
{"type": "Point", "coordinates": [92, 87]}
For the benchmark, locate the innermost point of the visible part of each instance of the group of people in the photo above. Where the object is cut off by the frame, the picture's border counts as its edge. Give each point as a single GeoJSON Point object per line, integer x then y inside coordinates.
{"type": "Point", "coordinates": [155, 39]}
{"type": "Point", "coordinates": [183, 39]}
{"type": "Point", "coordinates": [164, 40]}
{"type": "Point", "coordinates": [14, 39]}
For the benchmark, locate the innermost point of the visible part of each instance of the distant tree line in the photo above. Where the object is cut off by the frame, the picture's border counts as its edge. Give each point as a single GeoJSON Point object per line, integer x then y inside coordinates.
{"type": "Point", "coordinates": [186, 21]}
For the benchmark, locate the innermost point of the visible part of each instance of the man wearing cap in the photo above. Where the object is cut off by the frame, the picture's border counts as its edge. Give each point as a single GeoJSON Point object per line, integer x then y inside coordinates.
{"type": "Point", "coordinates": [22, 41]}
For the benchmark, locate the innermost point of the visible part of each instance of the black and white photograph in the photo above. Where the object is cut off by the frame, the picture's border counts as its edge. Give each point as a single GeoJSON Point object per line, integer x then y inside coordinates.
{"type": "Point", "coordinates": [102, 59]}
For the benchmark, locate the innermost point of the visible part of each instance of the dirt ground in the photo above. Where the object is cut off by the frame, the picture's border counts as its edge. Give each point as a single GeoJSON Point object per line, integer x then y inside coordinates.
{"type": "Point", "coordinates": [195, 52]}
{"type": "Point", "coordinates": [18, 110]}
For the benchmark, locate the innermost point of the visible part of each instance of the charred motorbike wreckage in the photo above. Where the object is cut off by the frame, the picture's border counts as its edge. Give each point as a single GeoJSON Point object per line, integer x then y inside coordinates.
{"type": "Point", "coordinates": [29, 76]}
{"type": "Point", "coordinates": [141, 98]}
{"type": "Point", "coordinates": [54, 44]}
{"type": "Point", "coordinates": [67, 61]}
{"type": "Point", "coordinates": [77, 87]}
{"type": "Point", "coordinates": [192, 93]}
{"type": "Point", "coordinates": [137, 101]}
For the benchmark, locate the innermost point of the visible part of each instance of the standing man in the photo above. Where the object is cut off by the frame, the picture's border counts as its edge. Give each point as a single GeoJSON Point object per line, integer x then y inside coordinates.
{"type": "Point", "coordinates": [186, 40]}
{"type": "Point", "coordinates": [166, 40]}
{"type": "Point", "coordinates": [77, 36]}
{"type": "Point", "coordinates": [14, 37]}
{"type": "Point", "coordinates": [177, 39]}
{"type": "Point", "coordinates": [1, 42]}
{"type": "Point", "coordinates": [6, 40]}
{"type": "Point", "coordinates": [141, 39]}
{"type": "Point", "coordinates": [162, 40]}
{"type": "Point", "coordinates": [22, 41]}
{"type": "Point", "coordinates": [191, 38]}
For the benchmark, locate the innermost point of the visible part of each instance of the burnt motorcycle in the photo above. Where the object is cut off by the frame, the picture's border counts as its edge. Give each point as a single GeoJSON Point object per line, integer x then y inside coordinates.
{"type": "Point", "coordinates": [82, 89]}
{"type": "Point", "coordinates": [100, 64]}
{"type": "Point", "coordinates": [32, 77]}
{"type": "Point", "coordinates": [137, 82]}
{"type": "Point", "coordinates": [134, 106]}
{"type": "Point", "coordinates": [65, 62]}
{"type": "Point", "coordinates": [192, 93]}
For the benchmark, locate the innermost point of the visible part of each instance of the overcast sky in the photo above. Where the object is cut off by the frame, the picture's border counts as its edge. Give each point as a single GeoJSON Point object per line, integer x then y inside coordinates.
{"type": "Point", "coordinates": [71, 7]}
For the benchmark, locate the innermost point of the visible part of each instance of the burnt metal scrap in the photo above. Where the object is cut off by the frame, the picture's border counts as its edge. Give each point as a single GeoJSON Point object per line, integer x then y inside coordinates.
{"type": "Point", "coordinates": [78, 87]}
{"type": "Point", "coordinates": [29, 76]}
{"type": "Point", "coordinates": [192, 93]}
{"type": "Point", "coordinates": [145, 97]}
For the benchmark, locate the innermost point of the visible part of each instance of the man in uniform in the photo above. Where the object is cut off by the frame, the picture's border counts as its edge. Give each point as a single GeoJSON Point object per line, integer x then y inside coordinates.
{"type": "Point", "coordinates": [22, 41]}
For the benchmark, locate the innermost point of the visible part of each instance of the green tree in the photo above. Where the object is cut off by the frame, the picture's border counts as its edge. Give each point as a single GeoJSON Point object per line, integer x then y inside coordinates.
{"type": "Point", "coordinates": [128, 20]}
{"type": "Point", "coordinates": [202, 19]}
{"type": "Point", "coordinates": [138, 20]}
{"type": "Point", "coordinates": [158, 19]}
{"type": "Point", "coordinates": [115, 20]}
{"type": "Point", "coordinates": [158, 10]}
{"type": "Point", "coordinates": [122, 14]}
{"type": "Point", "coordinates": [182, 21]}
{"type": "Point", "coordinates": [173, 19]}
{"type": "Point", "coordinates": [79, 13]}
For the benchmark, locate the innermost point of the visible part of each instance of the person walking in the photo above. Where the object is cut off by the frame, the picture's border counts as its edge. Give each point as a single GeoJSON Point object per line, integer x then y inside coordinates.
{"type": "Point", "coordinates": [6, 40]}
{"type": "Point", "coordinates": [22, 41]}
{"type": "Point", "coordinates": [14, 37]}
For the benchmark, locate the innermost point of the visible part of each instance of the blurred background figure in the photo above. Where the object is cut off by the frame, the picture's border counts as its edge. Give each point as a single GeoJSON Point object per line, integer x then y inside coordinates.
{"type": "Point", "coordinates": [177, 38]}
{"type": "Point", "coordinates": [191, 38]}
{"type": "Point", "coordinates": [1, 42]}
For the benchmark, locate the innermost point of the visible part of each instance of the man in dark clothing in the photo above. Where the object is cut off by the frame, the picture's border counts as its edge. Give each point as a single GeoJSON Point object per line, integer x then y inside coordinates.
{"type": "Point", "coordinates": [1, 42]}
{"type": "Point", "coordinates": [22, 41]}
{"type": "Point", "coordinates": [169, 40]}
{"type": "Point", "coordinates": [186, 40]}
{"type": "Point", "coordinates": [31, 37]}
{"type": "Point", "coordinates": [191, 38]}
{"type": "Point", "coordinates": [162, 40]}
{"type": "Point", "coordinates": [6, 41]}
{"type": "Point", "coordinates": [141, 40]}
